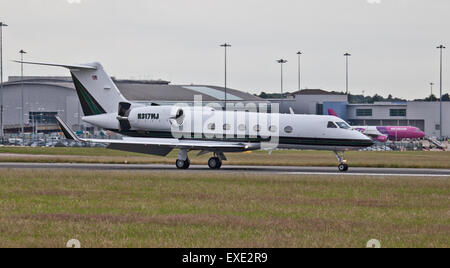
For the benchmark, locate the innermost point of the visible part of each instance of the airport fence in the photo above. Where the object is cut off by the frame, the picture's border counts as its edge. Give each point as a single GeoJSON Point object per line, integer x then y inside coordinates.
{"type": "Point", "coordinates": [51, 140]}
{"type": "Point", "coordinates": [58, 140]}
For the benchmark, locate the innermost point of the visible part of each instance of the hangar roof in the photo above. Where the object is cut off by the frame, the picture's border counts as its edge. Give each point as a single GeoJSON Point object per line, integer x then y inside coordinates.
{"type": "Point", "coordinates": [315, 92]}
{"type": "Point", "coordinates": [143, 90]}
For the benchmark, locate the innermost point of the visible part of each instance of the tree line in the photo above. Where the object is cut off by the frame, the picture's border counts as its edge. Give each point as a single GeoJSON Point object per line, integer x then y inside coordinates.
{"type": "Point", "coordinates": [355, 99]}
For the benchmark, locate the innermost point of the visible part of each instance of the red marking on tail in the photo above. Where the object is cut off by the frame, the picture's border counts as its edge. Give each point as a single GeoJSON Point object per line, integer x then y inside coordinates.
{"type": "Point", "coordinates": [332, 112]}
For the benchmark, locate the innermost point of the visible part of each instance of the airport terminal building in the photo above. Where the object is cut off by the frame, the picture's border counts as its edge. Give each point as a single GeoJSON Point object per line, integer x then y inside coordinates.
{"type": "Point", "coordinates": [45, 97]}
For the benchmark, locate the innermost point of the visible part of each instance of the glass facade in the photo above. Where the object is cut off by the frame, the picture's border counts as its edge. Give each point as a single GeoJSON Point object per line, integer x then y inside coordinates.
{"type": "Point", "coordinates": [398, 112]}
{"type": "Point", "coordinates": [363, 112]}
{"type": "Point", "coordinates": [43, 118]}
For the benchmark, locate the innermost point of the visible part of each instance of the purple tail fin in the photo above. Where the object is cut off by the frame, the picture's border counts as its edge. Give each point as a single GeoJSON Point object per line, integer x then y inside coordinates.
{"type": "Point", "coordinates": [332, 112]}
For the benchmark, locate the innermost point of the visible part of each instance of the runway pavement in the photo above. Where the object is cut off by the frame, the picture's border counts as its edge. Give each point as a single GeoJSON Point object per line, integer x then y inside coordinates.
{"type": "Point", "coordinates": [279, 170]}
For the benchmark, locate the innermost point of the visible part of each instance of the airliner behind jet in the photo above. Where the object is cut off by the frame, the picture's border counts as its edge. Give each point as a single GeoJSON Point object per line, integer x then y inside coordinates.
{"type": "Point", "coordinates": [385, 133]}
{"type": "Point", "coordinates": [157, 130]}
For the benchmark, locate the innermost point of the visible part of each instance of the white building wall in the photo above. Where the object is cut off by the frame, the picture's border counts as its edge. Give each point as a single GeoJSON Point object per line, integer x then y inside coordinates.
{"type": "Point", "coordinates": [307, 104]}
{"type": "Point", "coordinates": [429, 111]}
{"type": "Point", "coordinates": [379, 112]}
{"type": "Point", "coordinates": [39, 98]}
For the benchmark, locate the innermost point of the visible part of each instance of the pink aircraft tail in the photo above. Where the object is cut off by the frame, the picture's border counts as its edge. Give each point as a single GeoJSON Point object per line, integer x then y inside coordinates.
{"type": "Point", "coordinates": [332, 112]}
{"type": "Point", "coordinates": [382, 138]}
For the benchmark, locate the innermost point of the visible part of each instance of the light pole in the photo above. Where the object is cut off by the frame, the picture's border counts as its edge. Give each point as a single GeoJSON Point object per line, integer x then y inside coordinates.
{"type": "Point", "coordinates": [441, 48]}
{"type": "Point", "coordinates": [299, 71]}
{"type": "Point", "coordinates": [22, 52]}
{"type": "Point", "coordinates": [346, 55]}
{"type": "Point", "coordinates": [431, 96]}
{"type": "Point", "coordinates": [225, 46]}
{"type": "Point", "coordinates": [282, 62]}
{"type": "Point", "coordinates": [79, 116]}
{"type": "Point", "coordinates": [1, 77]}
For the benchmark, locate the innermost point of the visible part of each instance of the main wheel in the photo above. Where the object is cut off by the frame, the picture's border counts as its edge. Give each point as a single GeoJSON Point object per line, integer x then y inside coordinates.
{"type": "Point", "coordinates": [187, 164]}
{"type": "Point", "coordinates": [343, 167]}
{"type": "Point", "coordinates": [183, 164]}
{"type": "Point", "coordinates": [214, 163]}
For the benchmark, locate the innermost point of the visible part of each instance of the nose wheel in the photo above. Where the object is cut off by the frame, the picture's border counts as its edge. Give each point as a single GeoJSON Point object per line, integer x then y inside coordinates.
{"type": "Point", "coordinates": [343, 167]}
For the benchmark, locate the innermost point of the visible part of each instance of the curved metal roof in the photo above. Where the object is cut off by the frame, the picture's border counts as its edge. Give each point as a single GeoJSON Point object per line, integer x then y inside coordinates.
{"type": "Point", "coordinates": [151, 90]}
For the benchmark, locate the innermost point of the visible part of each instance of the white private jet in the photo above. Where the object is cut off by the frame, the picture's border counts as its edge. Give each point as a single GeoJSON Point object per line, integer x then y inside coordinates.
{"type": "Point", "coordinates": [157, 130]}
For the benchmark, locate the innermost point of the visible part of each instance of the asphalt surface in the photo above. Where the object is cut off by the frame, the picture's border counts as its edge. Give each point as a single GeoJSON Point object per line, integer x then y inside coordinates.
{"type": "Point", "coordinates": [277, 170]}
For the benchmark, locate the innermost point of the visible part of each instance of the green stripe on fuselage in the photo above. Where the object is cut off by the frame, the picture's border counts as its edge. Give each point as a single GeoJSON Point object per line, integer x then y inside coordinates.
{"type": "Point", "coordinates": [282, 140]}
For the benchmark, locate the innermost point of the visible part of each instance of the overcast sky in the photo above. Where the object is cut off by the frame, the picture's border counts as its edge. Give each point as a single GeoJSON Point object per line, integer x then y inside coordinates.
{"type": "Point", "coordinates": [392, 42]}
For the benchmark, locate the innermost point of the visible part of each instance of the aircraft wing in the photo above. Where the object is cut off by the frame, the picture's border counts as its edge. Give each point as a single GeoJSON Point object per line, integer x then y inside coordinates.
{"type": "Point", "coordinates": [175, 143]}
{"type": "Point", "coordinates": [159, 146]}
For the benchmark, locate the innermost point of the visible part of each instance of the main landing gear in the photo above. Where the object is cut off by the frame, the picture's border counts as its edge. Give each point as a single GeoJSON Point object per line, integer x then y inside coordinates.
{"type": "Point", "coordinates": [214, 162]}
{"type": "Point", "coordinates": [183, 161]}
{"type": "Point", "coordinates": [343, 167]}
{"type": "Point", "coordinates": [183, 164]}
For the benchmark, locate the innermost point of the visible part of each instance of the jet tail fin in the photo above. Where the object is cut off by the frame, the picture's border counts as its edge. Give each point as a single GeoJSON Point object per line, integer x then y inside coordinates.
{"type": "Point", "coordinates": [68, 133]}
{"type": "Point", "coordinates": [97, 92]}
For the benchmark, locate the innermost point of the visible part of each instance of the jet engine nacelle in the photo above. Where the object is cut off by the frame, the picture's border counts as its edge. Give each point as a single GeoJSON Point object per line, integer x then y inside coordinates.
{"type": "Point", "coordinates": [156, 118]}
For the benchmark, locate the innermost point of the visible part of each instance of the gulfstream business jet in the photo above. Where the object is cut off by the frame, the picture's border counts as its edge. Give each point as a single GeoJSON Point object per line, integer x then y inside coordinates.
{"type": "Point", "coordinates": [157, 130]}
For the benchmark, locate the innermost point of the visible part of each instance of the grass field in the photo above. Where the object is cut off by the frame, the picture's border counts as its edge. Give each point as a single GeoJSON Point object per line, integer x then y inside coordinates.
{"type": "Point", "coordinates": [278, 158]}
{"type": "Point", "coordinates": [46, 208]}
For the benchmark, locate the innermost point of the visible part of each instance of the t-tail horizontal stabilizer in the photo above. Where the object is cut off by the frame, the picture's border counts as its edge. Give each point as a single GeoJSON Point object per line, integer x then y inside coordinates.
{"type": "Point", "coordinates": [68, 133]}
{"type": "Point", "coordinates": [70, 67]}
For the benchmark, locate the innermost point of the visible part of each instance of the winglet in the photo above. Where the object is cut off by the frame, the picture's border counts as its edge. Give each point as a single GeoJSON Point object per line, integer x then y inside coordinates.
{"type": "Point", "coordinates": [68, 133]}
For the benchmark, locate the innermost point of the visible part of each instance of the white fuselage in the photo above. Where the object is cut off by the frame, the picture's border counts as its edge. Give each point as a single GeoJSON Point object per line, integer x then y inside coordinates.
{"type": "Point", "coordinates": [285, 131]}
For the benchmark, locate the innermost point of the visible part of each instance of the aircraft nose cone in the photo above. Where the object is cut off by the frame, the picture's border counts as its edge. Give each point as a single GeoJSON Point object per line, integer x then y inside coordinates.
{"type": "Point", "coordinates": [366, 141]}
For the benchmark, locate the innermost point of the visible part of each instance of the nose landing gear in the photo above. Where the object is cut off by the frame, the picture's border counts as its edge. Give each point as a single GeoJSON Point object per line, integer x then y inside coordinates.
{"type": "Point", "coordinates": [343, 167]}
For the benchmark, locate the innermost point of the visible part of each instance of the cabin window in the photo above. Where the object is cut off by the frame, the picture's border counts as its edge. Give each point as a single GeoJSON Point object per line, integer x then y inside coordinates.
{"type": "Point", "coordinates": [242, 127]}
{"type": "Point", "coordinates": [288, 129]}
{"type": "Point", "coordinates": [226, 127]}
{"type": "Point", "coordinates": [343, 125]}
{"type": "Point", "coordinates": [331, 125]}
{"type": "Point", "coordinates": [212, 126]}
{"type": "Point", "coordinates": [273, 129]}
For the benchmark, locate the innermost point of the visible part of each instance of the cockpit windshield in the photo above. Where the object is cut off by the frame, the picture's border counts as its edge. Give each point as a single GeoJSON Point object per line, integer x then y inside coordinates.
{"type": "Point", "coordinates": [343, 125]}
{"type": "Point", "coordinates": [331, 125]}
